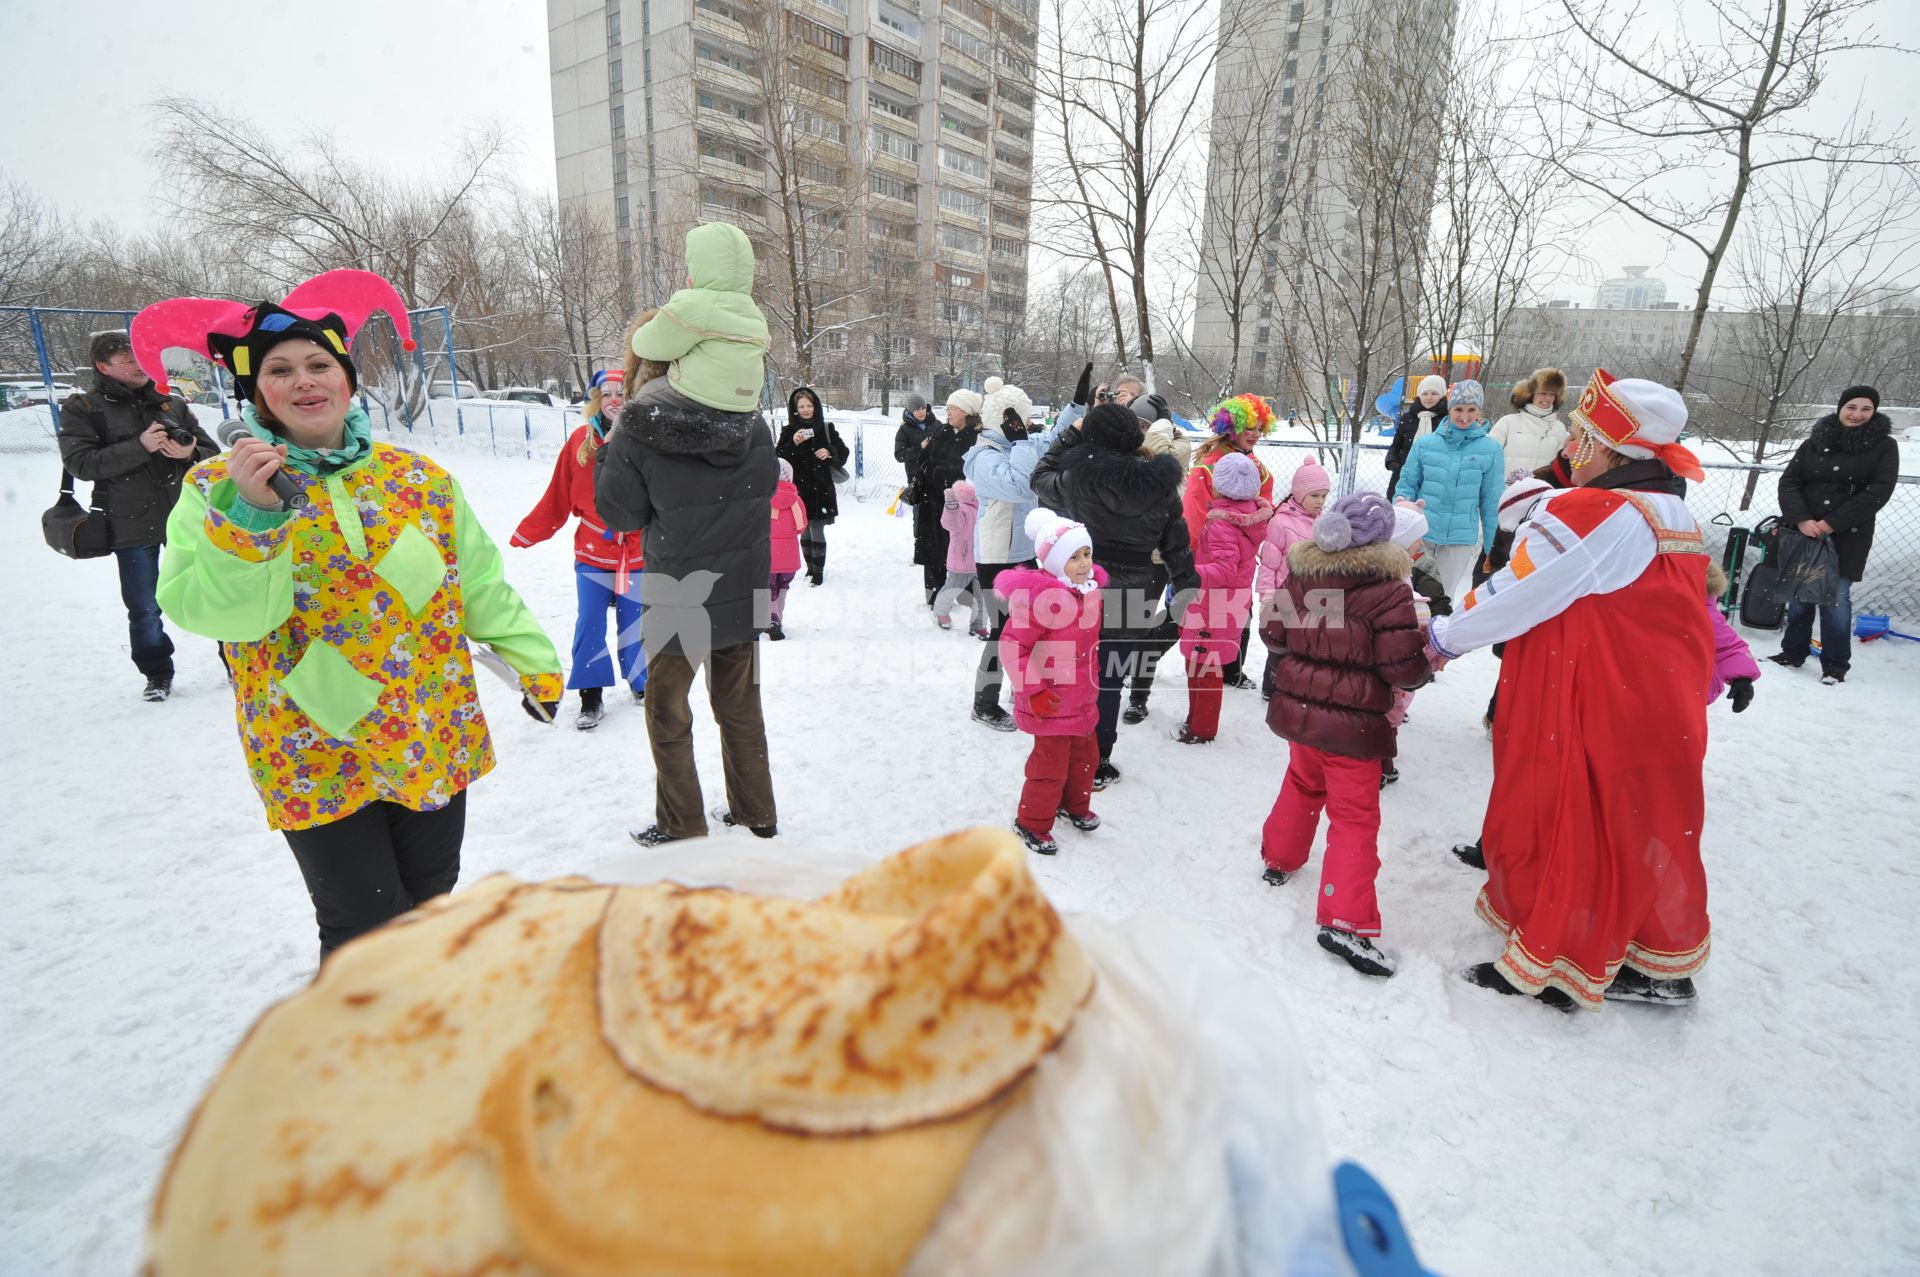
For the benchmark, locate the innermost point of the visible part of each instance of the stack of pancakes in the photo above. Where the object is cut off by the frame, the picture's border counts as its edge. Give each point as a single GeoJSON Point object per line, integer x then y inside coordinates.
{"type": "Point", "coordinates": [568, 1080]}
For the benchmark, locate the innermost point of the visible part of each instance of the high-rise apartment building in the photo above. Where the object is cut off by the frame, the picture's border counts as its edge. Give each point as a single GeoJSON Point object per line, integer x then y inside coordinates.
{"type": "Point", "coordinates": [1305, 92]}
{"type": "Point", "coordinates": [1632, 291]}
{"type": "Point", "coordinates": [879, 153]}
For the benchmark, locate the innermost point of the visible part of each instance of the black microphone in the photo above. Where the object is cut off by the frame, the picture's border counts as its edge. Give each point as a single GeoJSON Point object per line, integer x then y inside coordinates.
{"type": "Point", "coordinates": [280, 481]}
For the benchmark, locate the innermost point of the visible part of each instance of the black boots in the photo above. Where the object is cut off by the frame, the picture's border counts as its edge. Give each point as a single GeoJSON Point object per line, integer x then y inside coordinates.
{"type": "Point", "coordinates": [815, 553]}
{"type": "Point", "coordinates": [592, 709]}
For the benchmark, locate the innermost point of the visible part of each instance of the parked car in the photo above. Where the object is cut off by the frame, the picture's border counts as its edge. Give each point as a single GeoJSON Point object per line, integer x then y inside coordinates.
{"type": "Point", "coordinates": [524, 394]}
{"type": "Point", "coordinates": [25, 394]}
{"type": "Point", "coordinates": [443, 388]}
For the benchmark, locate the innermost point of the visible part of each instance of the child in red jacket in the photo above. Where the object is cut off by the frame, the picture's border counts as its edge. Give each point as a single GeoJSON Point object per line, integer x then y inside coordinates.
{"type": "Point", "coordinates": [789, 521]}
{"type": "Point", "coordinates": [1047, 649]}
{"type": "Point", "coordinates": [606, 564]}
{"type": "Point", "coordinates": [1346, 637]}
{"type": "Point", "coordinates": [1225, 556]}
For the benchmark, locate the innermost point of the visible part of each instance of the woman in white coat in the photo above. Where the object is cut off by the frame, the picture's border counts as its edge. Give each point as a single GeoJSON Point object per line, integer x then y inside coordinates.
{"type": "Point", "coordinates": [1532, 435]}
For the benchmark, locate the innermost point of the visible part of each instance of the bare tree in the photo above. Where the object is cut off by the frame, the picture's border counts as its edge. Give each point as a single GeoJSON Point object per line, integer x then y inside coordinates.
{"type": "Point", "coordinates": [1126, 83]}
{"type": "Point", "coordinates": [1834, 249]}
{"type": "Point", "coordinates": [1680, 123]}
{"type": "Point", "coordinates": [569, 248]}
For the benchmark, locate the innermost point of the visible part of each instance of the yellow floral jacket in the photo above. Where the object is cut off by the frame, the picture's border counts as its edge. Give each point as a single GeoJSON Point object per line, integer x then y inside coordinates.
{"type": "Point", "coordinates": [346, 624]}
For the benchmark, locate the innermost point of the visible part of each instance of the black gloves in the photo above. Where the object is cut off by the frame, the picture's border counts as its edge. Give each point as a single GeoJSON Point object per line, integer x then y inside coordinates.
{"type": "Point", "coordinates": [1083, 389]}
{"type": "Point", "coordinates": [539, 711]}
{"type": "Point", "coordinates": [1740, 692]}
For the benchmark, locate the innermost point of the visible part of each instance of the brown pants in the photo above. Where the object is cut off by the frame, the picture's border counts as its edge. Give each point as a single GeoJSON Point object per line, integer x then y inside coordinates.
{"type": "Point", "coordinates": [733, 690]}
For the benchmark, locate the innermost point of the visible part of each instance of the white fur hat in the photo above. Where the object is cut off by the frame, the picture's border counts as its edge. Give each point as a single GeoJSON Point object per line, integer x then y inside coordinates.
{"type": "Point", "coordinates": [1000, 397]}
{"type": "Point", "coordinates": [967, 401]}
{"type": "Point", "coordinates": [1056, 538]}
{"type": "Point", "coordinates": [1409, 524]}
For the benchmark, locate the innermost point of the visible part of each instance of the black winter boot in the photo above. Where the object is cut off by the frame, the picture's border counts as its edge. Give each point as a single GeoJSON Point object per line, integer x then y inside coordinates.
{"type": "Point", "coordinates": [1470, 854]}
{"type": "Point", "coordinates": [1634, 986]}
{"type": "Point", "coordinates": [1486, 975]}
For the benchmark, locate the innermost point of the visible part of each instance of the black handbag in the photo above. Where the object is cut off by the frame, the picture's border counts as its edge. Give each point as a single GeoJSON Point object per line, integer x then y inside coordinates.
{"type": "Point", "coordinates": [74, 530]}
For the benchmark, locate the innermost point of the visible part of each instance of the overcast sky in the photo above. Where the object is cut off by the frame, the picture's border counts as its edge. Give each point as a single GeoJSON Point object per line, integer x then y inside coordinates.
{"type": "Point", "coordinates": [399, 78]}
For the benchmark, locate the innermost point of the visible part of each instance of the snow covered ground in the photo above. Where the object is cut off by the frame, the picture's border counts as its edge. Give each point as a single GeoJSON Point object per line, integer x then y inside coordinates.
{"type": "Point", "coordinates": [147, 916]}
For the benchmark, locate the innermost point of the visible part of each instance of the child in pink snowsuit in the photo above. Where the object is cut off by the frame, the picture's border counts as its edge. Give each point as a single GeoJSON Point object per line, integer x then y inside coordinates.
{"type": "Point", "coordinates": [959, 517]}
{"type": "Point", "coordinates": [1225, 557]}
{"type": "Point", "coordinates": [1292, 521]}
{"type": "Point", "coordinates": [789, 521]}
{"type": "Point", "coordinates": [1047, 650]}
{"type": "Point", "coordinates": [1734, 668]}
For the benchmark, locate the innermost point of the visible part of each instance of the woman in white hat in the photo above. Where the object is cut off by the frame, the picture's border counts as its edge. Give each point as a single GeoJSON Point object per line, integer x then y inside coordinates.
{"type": "Point", "coordinates": [1592, 833]}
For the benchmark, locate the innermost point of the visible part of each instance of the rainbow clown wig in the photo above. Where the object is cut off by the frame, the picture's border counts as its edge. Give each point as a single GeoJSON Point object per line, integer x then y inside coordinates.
{"type": "Point", "coordinates": [1242, 414]}
{"type": "Point", "coordinates": [327, 310]}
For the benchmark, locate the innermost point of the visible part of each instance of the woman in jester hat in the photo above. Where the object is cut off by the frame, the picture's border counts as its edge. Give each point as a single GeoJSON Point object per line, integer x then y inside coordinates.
{"type": "Point", "coordinates": [345, 610]}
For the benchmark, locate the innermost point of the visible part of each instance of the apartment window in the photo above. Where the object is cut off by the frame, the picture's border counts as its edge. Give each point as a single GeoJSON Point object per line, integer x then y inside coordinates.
{"type": "Point", "coordinates": [827, 86]}
{"type": "Point", "coordinates": [893, 232]}
{"type": "Point", "coordinates": [1259, 361]}
{"type": "Point", "coordinates": [1291, 69]}
{"type": "Point", "coordinates": [902, 346]}
{"type": "Point", "coordinates": [1016, 131]}
{"type": "Point", "coordinates": [1006, 246]}
{"type": "Point", "coordinates": [971, 45]}
{"type": "Point", "coordinates": [959, 240]}
{"type": "Point", "coordinates": [619, 168]}
{"type": "Point", "coordinates": [894, 18]}
{"type": "Point", "coordinates": [818, 36]}
{"type": "Point", "coordinates": [715, 148]}
{"type": "Point", "coordinates": [948, 124]}
{"type": "Point", "coordinates": [619, 117]}
{"type": "Point", "coordinates": [972, 9]}
{"type": "Point", "coordinates": [735, 201]}
{"type": "Point", "coordinates": [956, 278]}
{"type": "Point", "coordinates": [1005, 186]}
{"type": "Point", "coordinates": [820, 171]}
{"type": "Point", "coordinates": [620, 214]}
{"type": "Point", "coordinates": [820, 126]}
{"type": "Point", "coordinates": [727, 58]}
{"type": "Point", "coordinates": [959, 313]}
{"type": "Point", "coordinates": [892, 187]}
{"type": "Point", "coordinates": [961, 162]}
{"type": "Point", "coordinates": [1293, 40]}
{"type": "Point", "coordinates": [1019, 97]}
{"type": "Point", "coordinates": [709, 102]}
{"type": "Point", "coordinates": [887, 106]}
{"type": "Point", "coordinates": [1013, 62]}
{"type": "Point", "coordinates": [613, 25]}
{"type": "Point", "coordinates": [839, 6]}
{"type": "Point", "coordinates": [966, 205]}
{"type": "Point", "coordinates": [887, 142]}
{"type": "Point", "coordinates": [835, 340]}
{"type": "Point", "coordinates": [967, 89]}
{"type": "Point", "coordinates": [615, 81]}
{"type": "Point", "coordinates": [879, 55]}
{"type": "Point", "coordinates": [1286, 96]}
{"type": "Point", "coordinates": [725, 8]}
{"type": "Point", "coordinates": [954, 351]}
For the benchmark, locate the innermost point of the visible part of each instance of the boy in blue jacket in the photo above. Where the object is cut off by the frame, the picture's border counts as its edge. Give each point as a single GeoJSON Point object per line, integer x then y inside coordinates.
{"type": "Point", "coordinates": [1457, 474]}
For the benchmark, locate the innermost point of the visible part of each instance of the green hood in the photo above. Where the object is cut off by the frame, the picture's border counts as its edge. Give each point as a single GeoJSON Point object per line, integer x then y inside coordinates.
{"type": "Point", "coordinates": [720, 258]}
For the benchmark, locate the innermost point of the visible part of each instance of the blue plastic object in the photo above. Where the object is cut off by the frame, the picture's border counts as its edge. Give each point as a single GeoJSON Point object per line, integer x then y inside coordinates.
{"type": "Point", "coordinates": [1871, 625]}
{"type": "Point", "coordinates": [1389, 403]}
{"type": "Point", "coordinates": [1370, 1226]}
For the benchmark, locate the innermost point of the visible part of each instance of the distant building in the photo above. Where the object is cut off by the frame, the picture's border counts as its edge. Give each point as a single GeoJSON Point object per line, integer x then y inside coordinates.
{"type": "Point", "coordinates": [1632, 291]}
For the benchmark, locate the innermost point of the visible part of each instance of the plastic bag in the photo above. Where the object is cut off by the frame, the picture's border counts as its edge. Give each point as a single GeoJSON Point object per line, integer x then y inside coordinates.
{"type": "Point", "coordinates": [1809, 569]}
{"type": "Point", "coordinates": [1173, 1132]}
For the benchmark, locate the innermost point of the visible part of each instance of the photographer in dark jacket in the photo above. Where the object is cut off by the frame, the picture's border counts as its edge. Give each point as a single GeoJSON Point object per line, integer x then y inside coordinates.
{"type": "Point", "coordinates": [700, 482]}
{"type": "Point", "coordinates": [134, 445]}
{"type": "Point", "coordinates": [1834, 487]}
{"type": "Point", "coordinates": [1130, 502]}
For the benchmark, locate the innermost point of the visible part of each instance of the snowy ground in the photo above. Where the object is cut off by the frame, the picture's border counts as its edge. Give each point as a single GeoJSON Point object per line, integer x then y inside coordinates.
{"type": "Point", "coordinates": [147, 915]}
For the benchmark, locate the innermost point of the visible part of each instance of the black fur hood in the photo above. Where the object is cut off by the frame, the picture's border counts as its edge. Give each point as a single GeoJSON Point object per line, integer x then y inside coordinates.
{"type": "Point", "coordinates": [1829, 433]}
{"type": "Point", "coordinates": [1128, 481]}
{"type": "Point", "coordinates": [700, 433]}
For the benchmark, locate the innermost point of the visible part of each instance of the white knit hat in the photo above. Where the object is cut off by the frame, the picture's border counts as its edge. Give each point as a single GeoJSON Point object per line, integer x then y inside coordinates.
{"type": "Point", "coordinates": [1432, 381]}
{"type": "Point", "coordinates": [1523, 496]}
{"type": "Point", "coordinates": [1409, 524]}
{"type": "Point", "coordinates": [967, 401]}
{"type": "Point", "coordinates": [1000, 397]}
{"type": "Point", "coordinates": [1056, 538]}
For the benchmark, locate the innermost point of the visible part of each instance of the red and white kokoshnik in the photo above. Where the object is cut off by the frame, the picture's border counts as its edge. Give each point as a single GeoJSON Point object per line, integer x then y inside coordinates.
{"type": "Point", "coordinates": [1592, 833]}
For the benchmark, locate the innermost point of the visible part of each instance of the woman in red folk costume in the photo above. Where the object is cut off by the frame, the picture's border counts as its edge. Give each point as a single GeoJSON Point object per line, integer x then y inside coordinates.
{"type": "Point", "coordinates": [1592, 834]}
{"type": "Point", "coordinates": [606, 564]}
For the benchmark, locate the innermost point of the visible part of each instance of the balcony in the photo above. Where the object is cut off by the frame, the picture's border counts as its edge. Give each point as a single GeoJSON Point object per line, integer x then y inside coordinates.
{"type": "Point", "coordinates": [896, 165]}
{"type": "Point", "coordinates": [732, 174]}
{"type": "Point", "coordinates": [972, 108]}
{"type": "Point", "coordinates": [705, 19]}
{"type": "Point", "coordinates": [1008, 147]}
{"type": "Point", "coordinates": [726, 80]}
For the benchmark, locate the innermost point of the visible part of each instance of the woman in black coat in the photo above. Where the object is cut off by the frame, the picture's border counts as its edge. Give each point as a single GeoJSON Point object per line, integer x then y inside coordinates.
{"type": "Point", "coordinates": [811, 445]}
{"type": "Point", "coordinates": [1834, 487]}
{"type": "Point", "coordinates": [910, 446]}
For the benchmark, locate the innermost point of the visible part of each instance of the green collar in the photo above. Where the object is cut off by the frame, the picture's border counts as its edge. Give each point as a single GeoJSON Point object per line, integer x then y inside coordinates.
{"type": "Point", "coordinates": [315, 461]}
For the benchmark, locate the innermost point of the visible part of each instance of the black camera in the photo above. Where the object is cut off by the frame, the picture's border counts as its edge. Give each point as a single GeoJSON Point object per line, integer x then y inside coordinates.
{"type": "Point", "coordinates": [178, 434]}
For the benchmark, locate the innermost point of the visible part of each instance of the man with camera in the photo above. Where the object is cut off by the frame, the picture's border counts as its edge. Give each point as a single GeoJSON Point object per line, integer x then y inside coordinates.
{"type": "Point", "coordinates": [134, 445]}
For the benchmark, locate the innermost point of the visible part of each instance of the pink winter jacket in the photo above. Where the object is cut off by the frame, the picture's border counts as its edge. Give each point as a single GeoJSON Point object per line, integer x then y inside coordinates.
{"type": "Point", "coordinates": [1290, 523]}
{"type": "Point", "coordinates": [961, 513]}
{"type": "Point", "coordinates": [1731, 657]}
{"type": "Point", "coordinates": [789, 520]}
{"type": "Point", "coordinates": [1047, 650]}
{"type": "Point", "coordinates": [1225, 556]}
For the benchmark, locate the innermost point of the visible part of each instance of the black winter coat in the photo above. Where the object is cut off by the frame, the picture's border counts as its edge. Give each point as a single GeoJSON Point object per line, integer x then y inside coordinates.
{"type": "Point", "coordinates": [1404, 430]}
{"type": "Point", "coordinates": [1130, 503]}
{"type": "Point", "coordinates": [100, 444]}
{"type": "Point", "coordinates": [943, 464]}
{"type": "Point", "coordinates": [700, 482]}
{"type": "Point", "coordinates": [1843, 477]}
{"type": "Point", "coordinates": [812, 475]}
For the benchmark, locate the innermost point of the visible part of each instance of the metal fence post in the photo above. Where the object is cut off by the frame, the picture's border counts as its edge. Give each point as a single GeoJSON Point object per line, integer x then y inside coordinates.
{"type": "Point", "coordinates": [527, 423]}
{"type": "Point", "coordinates": [453, 372]}
{"type": "Point", "coordinates": [860, 450]}
{"type": "Point", "coordinates": [46, 366]}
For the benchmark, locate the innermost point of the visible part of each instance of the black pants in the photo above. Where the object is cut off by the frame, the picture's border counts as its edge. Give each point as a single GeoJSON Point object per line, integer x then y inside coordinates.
{"type": "Point", "coordinates": [813, 547]}
{"type": "Point", "coordinates": [987, 681]}
{"type": "Point", "coordinates": [1123, 655]}
{"type": "Point", "coordinates": [1142, 681]}
{"type": "Point", "coordinates": [932, 577]}
{"type": "Point", "coordinates": [1234, 669]}
{"type": "Point", "coordinates": [376, 864]}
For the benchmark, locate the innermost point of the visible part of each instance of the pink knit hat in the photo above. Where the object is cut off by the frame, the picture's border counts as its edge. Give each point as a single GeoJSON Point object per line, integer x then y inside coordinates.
{"type": "Point", "coordinates": [1310, 477]}
{"type": "Point", "coordinates": [1056, 538]}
